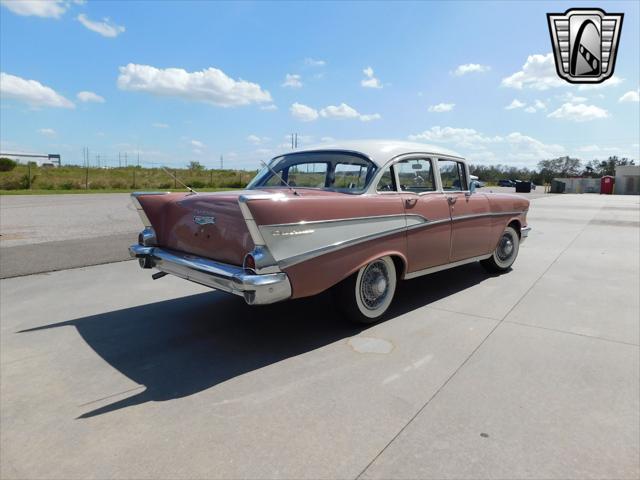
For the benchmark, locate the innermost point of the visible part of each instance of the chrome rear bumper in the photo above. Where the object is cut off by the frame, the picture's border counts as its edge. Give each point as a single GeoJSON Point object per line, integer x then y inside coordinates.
{"type": "Point", "coordinates": [256, 289]}
{"type": "Point", "coordinates": [524, 233]}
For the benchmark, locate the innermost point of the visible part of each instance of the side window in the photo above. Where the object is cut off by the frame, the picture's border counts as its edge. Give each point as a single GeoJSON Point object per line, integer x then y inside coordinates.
{"type": "Point", "coordinates": [387, 182]}
{"type": "Point", "coordinates": [308, 175]}
{"type": "Point", "coordinates": [453, 175]}
{"type": "Point", "coordinates": [415, 175]}
{"type": "Point", "coordinates": [350, 176]}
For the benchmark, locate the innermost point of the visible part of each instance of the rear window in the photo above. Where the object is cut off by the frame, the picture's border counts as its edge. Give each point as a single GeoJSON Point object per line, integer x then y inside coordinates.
{"type": "Point", "coordinates": [335, 171]}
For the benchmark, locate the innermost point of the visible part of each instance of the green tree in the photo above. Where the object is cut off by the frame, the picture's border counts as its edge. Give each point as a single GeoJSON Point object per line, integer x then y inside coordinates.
{"type": "Point", "coordinates": [6, 164]}
{"type": "Point", "coordinates": [195, 165]}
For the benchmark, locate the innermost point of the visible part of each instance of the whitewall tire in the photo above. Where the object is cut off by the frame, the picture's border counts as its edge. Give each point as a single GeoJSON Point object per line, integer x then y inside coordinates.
{"type": "Point", "coordinates": [366, 296]}
{"type": "Point", "coordinates": [505, 253]}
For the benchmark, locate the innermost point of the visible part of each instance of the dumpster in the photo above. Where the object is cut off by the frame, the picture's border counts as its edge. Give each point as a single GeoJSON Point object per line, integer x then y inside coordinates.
{"type": "Point", "coordinates": [557, 186]}
{"type": "Point", "coordinates": [606, 185]}
{"type": "Point", "coordinates": [523, 187]}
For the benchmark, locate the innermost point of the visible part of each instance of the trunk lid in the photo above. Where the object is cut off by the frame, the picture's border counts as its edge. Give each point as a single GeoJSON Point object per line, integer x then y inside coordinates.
{"type": "Point", "coordinates": [207, 225]}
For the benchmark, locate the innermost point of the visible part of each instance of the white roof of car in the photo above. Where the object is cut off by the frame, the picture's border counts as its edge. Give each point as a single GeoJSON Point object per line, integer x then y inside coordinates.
{"type": "Point", "coordinates": [381, 151]}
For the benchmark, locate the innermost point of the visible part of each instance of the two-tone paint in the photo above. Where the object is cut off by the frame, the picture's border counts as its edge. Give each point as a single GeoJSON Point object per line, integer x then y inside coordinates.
{"type": "Point", "coordinates": [317, 238]}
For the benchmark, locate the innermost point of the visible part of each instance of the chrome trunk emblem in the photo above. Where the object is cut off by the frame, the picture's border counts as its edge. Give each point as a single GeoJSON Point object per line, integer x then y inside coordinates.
{"type": "Point", "coordinates": [585, 43]}
{"type": "Point", "coordinates": [203, 220]}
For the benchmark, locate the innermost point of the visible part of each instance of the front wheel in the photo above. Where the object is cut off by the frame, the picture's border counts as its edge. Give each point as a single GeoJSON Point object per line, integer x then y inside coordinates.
{"type": "Point", "coordinates": [505, 253]}
{"type": "Point", "coordinates": [365, 297]}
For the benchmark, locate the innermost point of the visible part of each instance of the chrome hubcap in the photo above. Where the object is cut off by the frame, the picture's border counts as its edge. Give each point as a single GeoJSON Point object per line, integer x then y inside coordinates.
{"type": "Point", "coordinates": [374, 286]}
{"type": "Point", "coordinates": [505, 248]}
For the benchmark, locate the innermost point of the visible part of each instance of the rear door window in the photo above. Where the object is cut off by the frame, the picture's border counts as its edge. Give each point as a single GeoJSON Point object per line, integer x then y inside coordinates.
{"type": "Point", "coordinates": [415, 175]}
{"type": "Point", "coordinates": [453, 175]}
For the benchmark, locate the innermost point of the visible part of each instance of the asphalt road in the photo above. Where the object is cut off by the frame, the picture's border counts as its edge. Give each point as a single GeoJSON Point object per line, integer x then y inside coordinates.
{"type": "Point", "coordinates": [531, 374]}
{"type": "Point", "coordinates": [45, 233]}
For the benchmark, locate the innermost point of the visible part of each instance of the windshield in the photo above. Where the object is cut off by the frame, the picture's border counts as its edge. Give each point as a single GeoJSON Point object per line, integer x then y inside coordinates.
{"type": "Point", "coordinates": [335, 171]}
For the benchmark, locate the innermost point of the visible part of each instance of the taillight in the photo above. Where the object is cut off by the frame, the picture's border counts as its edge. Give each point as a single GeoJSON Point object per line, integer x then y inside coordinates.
{"type": "Point", "coordinates": [249, 262]}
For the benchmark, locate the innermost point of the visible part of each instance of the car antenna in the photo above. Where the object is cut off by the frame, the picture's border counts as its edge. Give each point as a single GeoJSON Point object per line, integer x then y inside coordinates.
{"type": "Point", "coordinates": [279, 176]}
{"type": "Point", "coordinates": [191, 190]}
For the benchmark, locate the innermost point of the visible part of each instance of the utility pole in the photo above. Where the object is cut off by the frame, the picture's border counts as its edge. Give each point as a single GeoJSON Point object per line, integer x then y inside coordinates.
{"type": "Point", "coordinates": [119, 160]}
{"type": "Point", "coordinates": [138, 157]}
{"type": "Point", "coordinates": [125, 159]}
{"type": "Point", "coordinates": [296, 142]}
{"type": "Point", "coordinates": [221, 162]}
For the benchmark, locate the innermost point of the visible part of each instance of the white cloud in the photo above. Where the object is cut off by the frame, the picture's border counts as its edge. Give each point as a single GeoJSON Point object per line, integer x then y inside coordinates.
{"type": "Point", "coordinates": [538, 73]}
{"type": "Point", "coordinates": [197, 143]}
{"type": "Point", "coordinates": [327, 139]}
{"type": "Point", "coordinates": [522, 148]}
{"type": "Point", "coordinates": [303, 113]}
{"type": "Point", "coordinates": [571, 98]}
{"type": "Point", "coordinates": [345, 111]}
{"type": "Point", "coordinates": [470, 68]}
{"type": "Point", "coordinates": [579, 112]}
{"type": "Point", "coordinates": [311, 62]}
{"type": "Point", "coordinates": [540, 105]}
{"type": "Point", "coordinates": [269, 107]}
{"type": "Point", "coordinates": [441, 107]}
{"type": "Point", "coordinates": [537, 105]}
{"type": "Point", "coordinates": [589, 148]}
{"type": "Point", "coordinates": [632, 96]}
{"type": "Point", "coordinates": [516, 146]}
{"type": "Point", "coordinates": [370, 117]}
{"type": "Point", "coordinates": [462, 137]}
{"type": "Point", "coordinates": [104, 28]}
{"type": "Point", "coordinates": [370, 81]}
{"type": "Point", "coordinates": [257, 140]}
{"type": "Point", "coordinates": [211, 86]}
{"type": "Point", "coordinates": [47, 132]}
{"type": "Point", "coordinates": [341, 111]}
{"type": "Point", "coordinates": [611, 82]}
{"type": "Point", "coordinates": [31, 92]}
{"type": "Point", "coordinates": [89, 97]}
{"type": "Point", "coordinates": [159, 125]}
{"type": "Point", "coordinates": [37, 8]}
{"type": "Point", "coordinates": [515, 103]}
{"type": "Point", "coordinates": [292, 80]}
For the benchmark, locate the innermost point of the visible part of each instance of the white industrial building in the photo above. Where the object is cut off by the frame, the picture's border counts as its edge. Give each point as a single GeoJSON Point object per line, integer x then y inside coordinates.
{"type": "Point", "coordinates": [627, 180]}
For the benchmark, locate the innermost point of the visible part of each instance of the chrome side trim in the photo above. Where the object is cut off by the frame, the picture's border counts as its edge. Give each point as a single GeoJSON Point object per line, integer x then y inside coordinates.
{"type": "Point", "coordinates": [350, 219]}
{"type": "Point", "coordinates": [524, 233]}
{"type": "Point", "coordinates": [446, 266]}
{"type": "Point", "coordinates": [430, 224]}
{"type": "Point", "coordinates": [488, 214]}
{"type": "Point", "coordinates": [256, 289]}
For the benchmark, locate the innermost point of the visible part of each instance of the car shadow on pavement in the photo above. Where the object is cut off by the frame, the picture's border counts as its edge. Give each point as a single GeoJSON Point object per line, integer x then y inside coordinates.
{"type": "Point", "coordinates": [183, 346]}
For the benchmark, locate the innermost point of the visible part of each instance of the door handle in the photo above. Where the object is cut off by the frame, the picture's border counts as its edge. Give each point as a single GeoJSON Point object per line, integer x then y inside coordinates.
{"type": "Point", "coordinates": [452, 200]}
{"type": "Point", "coordinates": [410, 202]}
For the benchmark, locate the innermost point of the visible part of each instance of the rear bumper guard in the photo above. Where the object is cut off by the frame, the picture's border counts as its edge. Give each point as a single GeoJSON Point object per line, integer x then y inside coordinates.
{"type": "Point", "coordinates": [524, 233]}
{"type": "Point", "coordinates": [256, 289]}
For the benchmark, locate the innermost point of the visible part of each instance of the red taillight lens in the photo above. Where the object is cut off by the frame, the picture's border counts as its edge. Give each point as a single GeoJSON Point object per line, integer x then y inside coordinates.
{"type": "Point", "coordinates": [249, 262]}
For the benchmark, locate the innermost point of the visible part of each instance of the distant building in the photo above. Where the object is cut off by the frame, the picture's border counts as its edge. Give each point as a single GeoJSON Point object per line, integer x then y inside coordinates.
{"type": "Point", "coordinates": [627, 180]}
{"type": "Point", "coordinates": [580, 185]}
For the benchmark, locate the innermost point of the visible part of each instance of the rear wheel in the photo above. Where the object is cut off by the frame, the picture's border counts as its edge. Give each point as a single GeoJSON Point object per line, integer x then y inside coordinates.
{"type": "Point", "coordinates": [365, 297]}
{"type": "Point", "coordinates": [505, 253]}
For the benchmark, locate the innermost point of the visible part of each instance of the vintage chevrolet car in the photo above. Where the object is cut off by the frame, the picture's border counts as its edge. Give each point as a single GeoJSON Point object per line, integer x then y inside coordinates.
{"type": "Point", "coordinates": [353, 217]}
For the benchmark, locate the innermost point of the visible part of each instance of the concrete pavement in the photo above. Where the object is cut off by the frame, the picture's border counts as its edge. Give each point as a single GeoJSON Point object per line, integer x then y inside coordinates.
{"type": "Point", "coordinates": [531, 374]}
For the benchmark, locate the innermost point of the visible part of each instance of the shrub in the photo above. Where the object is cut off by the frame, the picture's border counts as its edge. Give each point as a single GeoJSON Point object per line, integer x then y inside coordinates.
{"type": "Point", "coordinates": [6, 164]}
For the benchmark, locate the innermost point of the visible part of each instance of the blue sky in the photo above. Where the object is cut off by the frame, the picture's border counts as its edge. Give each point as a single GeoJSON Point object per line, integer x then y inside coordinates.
{"type": "Point", "coordinates": [182, 81]}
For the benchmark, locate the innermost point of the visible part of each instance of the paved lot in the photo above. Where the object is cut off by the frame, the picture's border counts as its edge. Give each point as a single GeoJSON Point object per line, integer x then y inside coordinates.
{"type": "Point", "coordinates": [532, 374]}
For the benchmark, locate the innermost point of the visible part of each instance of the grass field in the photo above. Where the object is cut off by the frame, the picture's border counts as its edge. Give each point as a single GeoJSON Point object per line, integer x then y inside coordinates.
{"type": "Point", "coordinates": [72, 179]}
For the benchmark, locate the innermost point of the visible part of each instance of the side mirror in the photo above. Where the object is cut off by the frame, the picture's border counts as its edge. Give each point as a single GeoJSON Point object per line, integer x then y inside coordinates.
{"type": "Point", "coordinates": [472, 187]}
